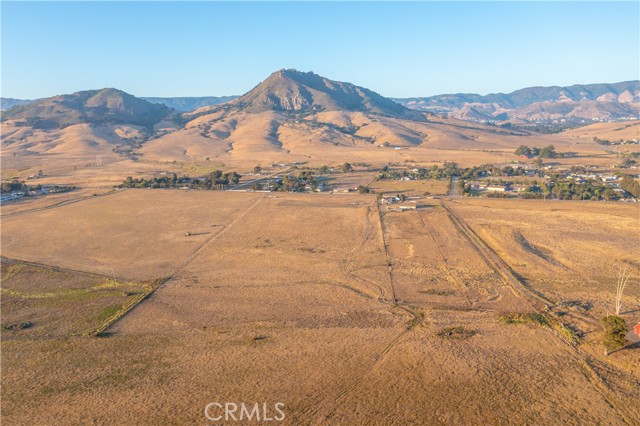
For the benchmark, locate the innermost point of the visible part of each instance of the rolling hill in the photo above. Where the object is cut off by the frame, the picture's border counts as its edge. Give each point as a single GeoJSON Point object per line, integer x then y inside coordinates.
{"type": "Point", "coordinates": [105, 106]}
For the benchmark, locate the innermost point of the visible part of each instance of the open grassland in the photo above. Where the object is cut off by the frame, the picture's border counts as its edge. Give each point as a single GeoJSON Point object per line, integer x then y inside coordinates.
{"type": "Point", "coordinates": [607, 131]}
{"type": "Point", "coordinates": [139, 234]}
{"type": "Point", "coordinates": [46, 302]}
{"type": "Point", "coordinates": [567, 254]}
{"type": "Point", "coordinates": [411, 187]}
{"type": "Point", "coordinates": [344, 313]}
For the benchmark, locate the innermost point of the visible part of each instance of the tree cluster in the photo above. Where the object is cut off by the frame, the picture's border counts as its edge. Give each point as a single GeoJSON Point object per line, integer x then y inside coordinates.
{"type": "Point", "coordinates": [546, 152]}
{"type": "Point", "coordinates": [630, 185]}
{"type": "Point", "coordinates": [215, 180]}
{"type": "Point", "coordinates": [295, 184]}
{"type": "Point", "coordinates": [14, 186]}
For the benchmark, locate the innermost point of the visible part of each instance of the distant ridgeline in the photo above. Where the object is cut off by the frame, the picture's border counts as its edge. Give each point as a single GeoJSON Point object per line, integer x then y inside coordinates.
{"type": "Point", "coordinates": [540, 109]}
{"type": "Point", "coordinates": [106, 106]}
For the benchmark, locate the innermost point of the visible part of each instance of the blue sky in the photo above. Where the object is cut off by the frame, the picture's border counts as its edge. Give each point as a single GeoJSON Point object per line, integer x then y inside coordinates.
{"type": "Point", "coordinates": [396, 49]}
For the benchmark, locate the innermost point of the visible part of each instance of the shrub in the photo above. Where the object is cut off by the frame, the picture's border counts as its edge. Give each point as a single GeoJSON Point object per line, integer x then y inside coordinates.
{"type": "Point", "coordinates": [614, 333]}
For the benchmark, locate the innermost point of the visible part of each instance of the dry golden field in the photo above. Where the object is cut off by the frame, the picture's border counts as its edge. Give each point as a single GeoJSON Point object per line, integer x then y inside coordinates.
{"type": "Point", "coordinates": [411, 187]}
{"type": "Point", "coordinates": [344, 313]}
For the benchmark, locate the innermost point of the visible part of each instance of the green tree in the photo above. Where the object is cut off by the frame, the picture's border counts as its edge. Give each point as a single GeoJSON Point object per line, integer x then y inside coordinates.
{"type": "Point", "coordinates": [234, 177]}
{"type": "Point", "coordinates": [548, 152]}
{"type": "Point", "coordinates": [614, 333]}
{"type": "Point", "coordinates": [609, 194]}
{"type": "Point", "coordinates": [630, 185]}
{"type": "Point", "coordinates": [363, 189]}
{"type": "Point", "coordinates": [347, 167]}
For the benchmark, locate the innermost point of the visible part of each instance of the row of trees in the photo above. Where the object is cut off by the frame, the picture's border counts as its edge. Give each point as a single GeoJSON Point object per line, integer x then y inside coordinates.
{"type": "Point", "coordinates": [289, 183]}
{"type": "Point", "coordinates": [14, 186]}
{"type": "Point", "coordinates": [546, 152]}
{"type": "Point", "coordinates": [20, 186]}
{"type": "Point", "coordinates": [295, 183]}
{"type": "Point", "coordinates": [490, 170]}
{"type": "Point", "coordinates": [446, 171]}
{"type": "Point", "coordinates": [215, 180]}
{"type": "Point", "coordinates": [449, 170]}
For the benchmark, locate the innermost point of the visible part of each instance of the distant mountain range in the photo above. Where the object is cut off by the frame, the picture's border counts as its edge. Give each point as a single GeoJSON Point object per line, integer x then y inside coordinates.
{"type": "Point", "coordinates": [190, 103]}
{"type": "Point", "coordinates": [295, 91]}
{"type": "Point", "coordinates": [183, 104]}
{"type": "Point", "coordinates": [292, 115]}
{"type": "Point", "coordinates": [591, 102]}
{"type": "Point", "coordinates": [6, 103]}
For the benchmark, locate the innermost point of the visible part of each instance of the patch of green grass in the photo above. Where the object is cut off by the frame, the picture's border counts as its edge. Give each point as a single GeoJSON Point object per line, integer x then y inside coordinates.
{"type": "Point", "coordinates": [435, 292]}
{"type": "Point", "coordinates": [419, 317]}
{"type": "Point", "coordinates": [542, 320]}
{"type": "Point", "coordinates": [107, 313]}
{"type": "Point", "coordinates": [12, 270]}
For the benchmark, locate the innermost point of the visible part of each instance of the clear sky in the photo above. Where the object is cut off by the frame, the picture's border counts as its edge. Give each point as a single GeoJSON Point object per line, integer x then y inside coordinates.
{"type": "Point", "coordinates": [396, 49]}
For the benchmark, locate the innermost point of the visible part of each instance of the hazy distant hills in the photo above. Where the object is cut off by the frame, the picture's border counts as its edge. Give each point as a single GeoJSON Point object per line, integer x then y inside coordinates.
{"type": "Point", "coordinates": [295, 91]}
{"type": "Point", "coordinates": [6, 103]}
{"type": "Point", "coordinates": [589, 102]}
{"type": "Point", "coordinates": [183, 104]}
{"type": "Point", "coordinates": [105, 106]}
{"type": "Point", "coordinates": [186, 104]}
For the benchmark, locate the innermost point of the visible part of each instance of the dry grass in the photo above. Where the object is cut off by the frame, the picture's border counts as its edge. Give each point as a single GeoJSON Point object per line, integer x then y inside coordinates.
{"type": "Point", "coordinates": [411, 187]}
{"type": "Point", "coordinates": [57, 303]}
{"type": "Point", "coordinates": [294, 302]}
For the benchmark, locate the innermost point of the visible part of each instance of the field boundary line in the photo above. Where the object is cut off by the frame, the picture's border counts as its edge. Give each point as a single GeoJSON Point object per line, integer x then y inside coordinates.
{"type": "Point", "coordinates": [582, 357]}
{"type": "Point", "coordinates": [386, 253]}
{"type": "Point", "coordinates": [181, 266]}
{"type": "Point", "coordinates": [62, 203]}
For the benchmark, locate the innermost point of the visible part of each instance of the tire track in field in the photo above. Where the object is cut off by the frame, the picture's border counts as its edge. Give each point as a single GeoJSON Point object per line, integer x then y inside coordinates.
{"type": "Point", "coordinates": [346, 267]}
{"type": "Point", "coordinates": [310, 414]}
{"type": "Point", "coordinates": [315, 407]}
{"type": "Point", "coordinates": [386, 253]}
{"type": "Point", "coordinates": [190, 258]}
{"type": "Point", "coordinates": [61, 203]}
{"type": "Point", "coordinates": [541, 304]}
{"type": "Point", "coordinates": [444, 261]}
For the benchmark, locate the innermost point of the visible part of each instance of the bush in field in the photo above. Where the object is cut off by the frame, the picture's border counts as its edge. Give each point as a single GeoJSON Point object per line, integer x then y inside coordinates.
{"type": "Point", "coordinates": [614, 332]}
